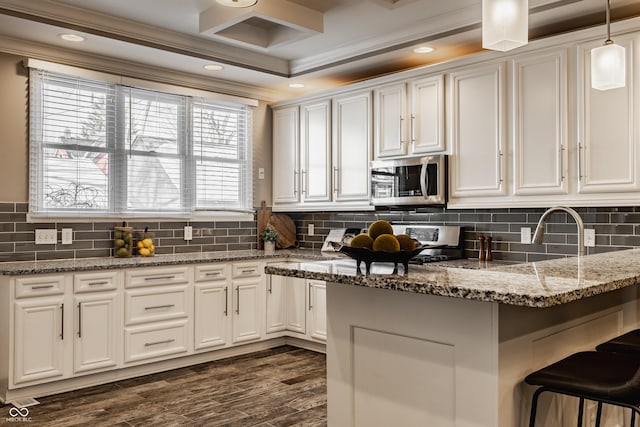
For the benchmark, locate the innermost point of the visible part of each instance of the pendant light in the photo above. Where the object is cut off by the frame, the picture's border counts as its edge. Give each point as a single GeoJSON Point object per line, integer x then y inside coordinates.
{"type": "Point", "coordinates": [237, 3]}
{"type": "Point", "coordinates": [608, 66]}
{"type": "Point", "coordinates": [505, 24]}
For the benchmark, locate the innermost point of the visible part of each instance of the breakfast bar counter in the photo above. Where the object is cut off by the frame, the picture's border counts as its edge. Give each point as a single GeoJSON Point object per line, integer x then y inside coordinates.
{"type": "Point", "coordinates": [448, 344]}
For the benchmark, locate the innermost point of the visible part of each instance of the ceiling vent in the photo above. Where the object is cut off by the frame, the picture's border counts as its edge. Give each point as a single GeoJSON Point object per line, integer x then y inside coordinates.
{"type": "Point", "coordinates": [265, 25]}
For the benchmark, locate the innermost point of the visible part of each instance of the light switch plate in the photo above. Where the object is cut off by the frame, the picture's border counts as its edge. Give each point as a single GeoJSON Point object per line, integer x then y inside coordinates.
{"type": "Point", "coordinates": [525, 235]}
{"type": "Point", "coordinates": [311, 229]}
{"type": "Point", "coordinates": [47, 236]}
{"type": "Point", "coordinates": [590, 237]}
{"type": "Point", "coordinates": [67, 236]}
{"type": "Point", "coordinates": [188, 232]}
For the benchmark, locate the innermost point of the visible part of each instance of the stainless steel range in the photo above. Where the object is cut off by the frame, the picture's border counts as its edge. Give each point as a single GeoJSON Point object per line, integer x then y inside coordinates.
{"type": "Point", "coordinates": [443, 242]}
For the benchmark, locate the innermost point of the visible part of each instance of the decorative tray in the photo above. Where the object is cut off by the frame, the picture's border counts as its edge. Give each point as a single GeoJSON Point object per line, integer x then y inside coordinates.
{"type": "Point", "coordinates": [368, 256]}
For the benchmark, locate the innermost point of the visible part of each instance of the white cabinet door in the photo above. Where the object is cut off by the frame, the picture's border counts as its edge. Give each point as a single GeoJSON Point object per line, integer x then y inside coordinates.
{"type": "Point", "coordinates": [97, 332]}
{"type": "Point", "coordinates": [426, 123]}
{"type": "Point", "coordinates": [211, 314]}
{"type": "Point", "coordinates": [317, 309]}
{"type": "Point", "coordinates": [286, 165]}
{"type": "Point", "coordinates": [608, 152]}
{"type": "Point", "coordinates": [477, 131]}
{"type": "Point", "coordinates": [246, 309]}
{"type": "Point", "coordinates": [296, 305]}
{"type": "Point", "coordinates": [315, 129]}
{"type": "Point", "coordinates": [39, 334]}
{"type": "Point", "coordinates": [389, 118]}
{"type": "Point", "coordinates": [276, 303]}
{"type": "Point", "coordinates": [540, 123]}
{"type": "Point", "coordinates": [351, 149]}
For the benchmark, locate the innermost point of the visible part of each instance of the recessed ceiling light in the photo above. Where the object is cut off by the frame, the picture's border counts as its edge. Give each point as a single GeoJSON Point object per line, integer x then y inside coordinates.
{"type": "Point", "coordinates": [237, 3]}
{"type": "Point", "coordinates": [423, 49]}
{"type": "Point", "coordinates": [213, 67]}
{"type": "Point", "coordinates": [296, 85]}
{"type": "Point", "coordinates": [71, 37]}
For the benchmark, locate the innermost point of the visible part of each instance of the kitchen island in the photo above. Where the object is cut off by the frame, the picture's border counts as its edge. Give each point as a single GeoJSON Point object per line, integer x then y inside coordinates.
{"type": "Point", "coordinates": [449, 344]}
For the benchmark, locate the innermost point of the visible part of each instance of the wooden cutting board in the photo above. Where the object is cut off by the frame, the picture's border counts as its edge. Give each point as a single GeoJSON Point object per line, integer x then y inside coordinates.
{"type": "Point", "coordinates": [286, 229]}
{"type": "Point", "coordinates": [262, 218]}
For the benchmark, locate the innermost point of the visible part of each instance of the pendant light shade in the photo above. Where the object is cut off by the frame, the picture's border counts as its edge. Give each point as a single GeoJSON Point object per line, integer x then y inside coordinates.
{"type": "Point", "coordinates": [237, 3]}
{"type": "Point", "coordinates": [608, 64]}
{"type": "Point", "coordinates": [505, 24]}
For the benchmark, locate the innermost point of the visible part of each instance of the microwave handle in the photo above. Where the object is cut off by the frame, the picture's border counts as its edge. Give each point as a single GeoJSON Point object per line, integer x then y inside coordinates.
{"type": "Point", "coordinates": [424, 178]}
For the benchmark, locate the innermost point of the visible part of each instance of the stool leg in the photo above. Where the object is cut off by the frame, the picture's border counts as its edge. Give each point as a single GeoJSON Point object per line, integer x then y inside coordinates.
{"type": "Point", "coordinates": [534, 406]}
{"type": "Point", "coordinates": [599, 414]}
{"type": "Point", "coordinates": [580, 412]}
{"type": "Point", "coordinates": [633, 418]}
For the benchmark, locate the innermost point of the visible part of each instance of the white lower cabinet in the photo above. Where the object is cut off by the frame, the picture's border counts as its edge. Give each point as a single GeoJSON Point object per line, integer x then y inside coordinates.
{"type": "Point", "coordinates": [97, 333]}
{"type": "Point", "coordinates": [296, 314]}
{"type": "Point", "coordinates": [317, 306]}
{"type": "Point", "coordinates": [248, 302]}
{"type": "Point", "coordinates": [277, 287]}
{"type": "Point", "coordinates": [211, 307]}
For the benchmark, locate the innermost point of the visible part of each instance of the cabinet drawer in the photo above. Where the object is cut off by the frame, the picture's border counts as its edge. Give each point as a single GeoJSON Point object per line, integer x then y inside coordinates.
{"type": "Point", "coordinates": [27, 287]}
{"type": "Point", "coordinates": [155, 341]}
{"type": "Point", "coordinates": [94, 282]}
{"type": "Point", "coordinates": [157, 303]}
{"type": "Point", "coordinates": [248, 269]}
{"type": "Point", "coordinates": [211, 272]}
{"type": "Point", "coordinates": [157, 276]}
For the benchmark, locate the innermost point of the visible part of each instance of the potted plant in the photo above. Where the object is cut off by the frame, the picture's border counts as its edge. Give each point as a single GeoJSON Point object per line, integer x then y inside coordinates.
{"type": "Point", "coordinates": [269, 237]}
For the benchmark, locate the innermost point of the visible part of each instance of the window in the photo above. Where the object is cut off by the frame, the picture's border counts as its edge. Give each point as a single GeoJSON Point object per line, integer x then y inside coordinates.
{"type": "Point", "coordinates": [101, 148]}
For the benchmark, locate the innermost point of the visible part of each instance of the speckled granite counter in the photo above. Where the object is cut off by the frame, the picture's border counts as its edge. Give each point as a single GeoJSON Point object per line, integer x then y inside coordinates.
{"type": "Point", "coordinates": [85, 264]}
{"type": "Point", "coordinates": [538, 284]}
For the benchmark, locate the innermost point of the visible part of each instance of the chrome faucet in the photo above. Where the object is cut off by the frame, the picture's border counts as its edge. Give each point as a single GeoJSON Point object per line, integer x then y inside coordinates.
{"type": "Point", "coordinates": [537, 236]}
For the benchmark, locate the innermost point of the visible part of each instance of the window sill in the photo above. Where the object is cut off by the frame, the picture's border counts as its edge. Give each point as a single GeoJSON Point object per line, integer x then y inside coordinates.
{"type": "Point", "coordinates": [198, 216]}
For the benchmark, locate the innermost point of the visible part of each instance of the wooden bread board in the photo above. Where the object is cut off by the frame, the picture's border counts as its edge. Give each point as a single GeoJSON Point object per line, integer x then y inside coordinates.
{"type": "Point", "coordinates": [286, 229]}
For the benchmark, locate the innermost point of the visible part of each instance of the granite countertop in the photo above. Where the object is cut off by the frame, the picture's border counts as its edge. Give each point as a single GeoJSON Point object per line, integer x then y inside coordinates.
{"type": "Point", "coordinates": [85, 264]}
{"type": "Point", "coordinates": [534, 284]}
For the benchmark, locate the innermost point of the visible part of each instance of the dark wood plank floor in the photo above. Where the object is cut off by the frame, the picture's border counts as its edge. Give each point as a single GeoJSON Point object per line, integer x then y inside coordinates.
{"type": "Point", "coordinates": [284, 386]}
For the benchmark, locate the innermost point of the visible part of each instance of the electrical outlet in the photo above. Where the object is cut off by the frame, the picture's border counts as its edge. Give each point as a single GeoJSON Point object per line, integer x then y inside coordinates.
{"type": "Point", "coordinates": [311, 229]}
{"type": "Point", "coordinates": [525, 235]}
{"type": "Point", "coordinates": [590, 237]}
{"type": "Point", "coordinates": [260, 173]}
{"type": "Point", "coordinates": [188, 232]}
{"type": "Point", "coordinates": [47, 236]}
{"type": "Point", "coordinates": [67, 236]}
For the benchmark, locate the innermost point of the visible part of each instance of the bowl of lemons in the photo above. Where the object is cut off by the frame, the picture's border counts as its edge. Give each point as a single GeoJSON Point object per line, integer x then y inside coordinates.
{"type": "Point", "coordinates": [379, 244]}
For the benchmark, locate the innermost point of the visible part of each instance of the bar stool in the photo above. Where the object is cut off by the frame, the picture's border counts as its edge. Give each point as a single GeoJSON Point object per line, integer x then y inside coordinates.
{"type": "Point", "coordinates": [611, 378]}
{"type": "Point", "coordinates": [627, 343]}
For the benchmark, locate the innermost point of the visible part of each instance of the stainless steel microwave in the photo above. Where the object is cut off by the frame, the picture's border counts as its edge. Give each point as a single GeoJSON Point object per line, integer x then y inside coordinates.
{"type": "Point", "coordinates": [415, 181]}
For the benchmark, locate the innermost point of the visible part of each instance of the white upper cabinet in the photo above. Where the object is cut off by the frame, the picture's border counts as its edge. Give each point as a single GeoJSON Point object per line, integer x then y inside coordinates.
{"type": "Point", "coordinates": [390, 116]}
{"type": "Point", "coordinates": [539, 118]}
{"type": "Point", "coordinates": [286, 166]}
{"type": "Point", "coordinates": [351, 149]}
{"type": "Point", "coordinates": [426, 123]}
{"type": "Point", "coordinates": [315, 127]}
{"type": "Point", "coordinates": [477, 131]}
{"type": "Point", "coordinates": [409, 118]}
{"type": "Point", "coordinates": [607, 128]}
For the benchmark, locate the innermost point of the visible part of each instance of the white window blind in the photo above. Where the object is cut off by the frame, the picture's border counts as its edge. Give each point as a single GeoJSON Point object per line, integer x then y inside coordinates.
{"type": "Point", "coordinates": [100, 148]}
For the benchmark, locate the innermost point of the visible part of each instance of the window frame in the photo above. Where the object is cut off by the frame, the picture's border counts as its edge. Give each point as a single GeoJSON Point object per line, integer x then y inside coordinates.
{"type": "Point", "coordinates": [116, 148]}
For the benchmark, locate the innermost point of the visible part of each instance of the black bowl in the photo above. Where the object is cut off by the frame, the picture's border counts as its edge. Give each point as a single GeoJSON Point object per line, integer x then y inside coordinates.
{"type": "Point", "coordinates": [368, 256]}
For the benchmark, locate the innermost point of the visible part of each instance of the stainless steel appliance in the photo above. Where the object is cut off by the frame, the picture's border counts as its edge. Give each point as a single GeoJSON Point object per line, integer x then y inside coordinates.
{"type": "Point", "coordinates": [415, 181]}
{"type": "Point", "coordinates": [442, 242]}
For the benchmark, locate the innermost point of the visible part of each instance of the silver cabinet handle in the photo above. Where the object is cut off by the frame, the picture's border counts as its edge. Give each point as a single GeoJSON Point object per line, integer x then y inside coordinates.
{"type": "Point", "coordinates": [270, 284]}
{"type": "Point", "coordinates": [303, 174]}
{"type": "Point", "coordinates": [62, 321]}
{"type": "Point", "coordinates": [296, 184]}
{"type": "Point", "coordinates": [310, 306]}
{"type": "Point", "coordinates": [412, 128]}
{"type": "Point", "coordinates": [500, 177]}
{"type": "Point", "coordinates": [562, 150]}
{"type": "Point", "coordinates": [160, 278]}
{"type": "Point", "coordinates": [41, 287]}
{"type": "Point", "coordinates": [335, 179]}
{"type": "Point", "coordinates": [98, 283]}
{"type": "Point", "coordinates": [149, 344]}
{"type": "Point", "coordinates": [216, 273]}
{"type": "Point", "coordinates": [238, 300]}
{"type": "Point", "coordinates": [579, 161]}
{"type": "Point", "coordinates": [400, 129]}
{"type": "Point", "coordinates": [79, 320]}
{"type": "Point", "coordinates": [155, 307]}
{"type": "Point", "coordinates": [248, 271]}
{"type": "Point", "coordinates": [226, 300]}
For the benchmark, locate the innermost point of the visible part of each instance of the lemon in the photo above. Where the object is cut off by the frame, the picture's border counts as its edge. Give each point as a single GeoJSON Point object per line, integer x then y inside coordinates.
{"type": "Point", "coordinates": [144, 252]}
{"type": "Point", "coordinates": [152, 249]}
{"type": "Point", "coordinates": [147, 242]}
{"type": "Point", "coordinates": [140, 245]}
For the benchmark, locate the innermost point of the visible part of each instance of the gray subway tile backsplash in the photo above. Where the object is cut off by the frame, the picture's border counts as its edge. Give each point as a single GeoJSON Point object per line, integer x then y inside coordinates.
{"type": "Point", "coordinates": [616, 228]}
